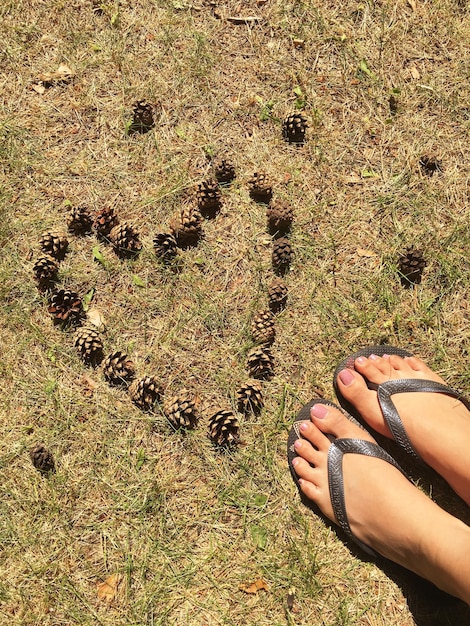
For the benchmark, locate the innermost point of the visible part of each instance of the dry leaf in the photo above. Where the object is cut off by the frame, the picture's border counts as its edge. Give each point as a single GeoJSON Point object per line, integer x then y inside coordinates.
{"type": "Point", "coordinates": [353, 179]}
{"type": "Point", "coordinates": [89, 385]}
{"type": "Point", "coordinates": [39, 88]}
{"type": "Point", "coordinates": [109, 590]}
{"type": "Point", "coordinates": [62, 74]}
{"type": "Point", "coordinates": [96, 318]}
{"type": "Point", "coordinates": [255, 587]}
{"type": "Point", "coordinates": [364, 252]}
{"type": "Point", "coordinates": [415, 72]}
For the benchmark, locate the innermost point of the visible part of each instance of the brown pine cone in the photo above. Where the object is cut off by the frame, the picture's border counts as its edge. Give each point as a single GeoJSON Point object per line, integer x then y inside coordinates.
{"type": "Point", "coordinates": [261, 363]}
{"type": "Point", "coordinates": [281, 255]}
{"type": "Point", "coordinates": [277, 295]}
{"type": "Point", "coordinates": [411, 266]}
{"type": "Point", "coordinates": [208, 198]}
{"type": "Point", "coordinates": [145, 392]}
{"type": "Point", "coordinates": [54, 244]}
{"type": "Point", "coordinates": [262, 327]}
{"type": "Point", "coordinates": [250, 397]}
{"type": "Point", "coordinates": [118, 369]}
{"type": "Point", "coordinates": [142, 119]}
{"type": "Point", "coordinates": [45, 271]}
{"type": "Point", "coordinates": [42, 459]}
{"type": "Point", "coordinates": [187, 227]}
{"type": "Point", "coordinates": [181, 410]}
{"type": "Point", "coordinates": [79, 221]}
{"type": "Point", "coordinates": [280, 216]}
{"type": "Point", "coordinates": [224, 430]}
{"type": "Point", "coordinates": [260, 188]}
{"type": "Point", "coordinates": [126, 241]}
{"type": "Point", "coordinates": [165, 246]}
{"type": "Point", "coordinates": [105, 220]}
{"type": "Point", "coordinates": [66, 307]}
{"type": "Point", "coordinates": [89, 345]}
{"type": "Point", "coordinates": [294, 128]}
{"type": "Point", "coordinates": [224, 170]}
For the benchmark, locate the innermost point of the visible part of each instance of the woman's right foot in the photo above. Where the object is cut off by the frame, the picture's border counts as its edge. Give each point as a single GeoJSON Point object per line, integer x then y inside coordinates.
{"type": "Point", "coordinates": [437, 425]}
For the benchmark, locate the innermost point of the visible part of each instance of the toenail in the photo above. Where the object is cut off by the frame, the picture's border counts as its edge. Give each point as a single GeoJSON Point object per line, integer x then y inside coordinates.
{"type": "Point", "coordinates": [374, 357]}
{"type": "Point", "coordinates": [386, 356]}
{"type": "Point", "coordinates": [295, 461]}
{"type": "Point", "coordinates": [346, 377]}
{"type": "Point", "coordinates": [319, 410]}
{"type": "Point", "coordinates": [303, 426]}
{"type": "Point", "coordinates": [297, 444]}
{"type": "Point", "coordinates": [361, 359]}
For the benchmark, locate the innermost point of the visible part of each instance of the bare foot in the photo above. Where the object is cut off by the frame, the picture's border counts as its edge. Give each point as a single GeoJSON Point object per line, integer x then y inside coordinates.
{"type": "Point", "coordinates": [437, 425]}
{"type": "Point", "coordinates": [385, 510]}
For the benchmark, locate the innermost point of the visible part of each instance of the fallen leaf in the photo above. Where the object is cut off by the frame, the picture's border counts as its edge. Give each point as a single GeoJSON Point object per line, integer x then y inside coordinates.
{"type": "Point", "coordinates": [39, 88]}
{"type": "Point", "coordinates": [88, 384]}
{"type": "Point", "coordinates": [110, 588]}
{"type": "Point", "coordinates": [415, 72]}
{"type": "Point", "coordinates": [96, 318]}
{"type": "Point", "coordinates": [366, 253]}
{"type": "Point", "coordinates": [255, 587]}
{"type": "Point", "coordinates": [63, 74]}
{"type": "Point", "coordinates": [353, 179]}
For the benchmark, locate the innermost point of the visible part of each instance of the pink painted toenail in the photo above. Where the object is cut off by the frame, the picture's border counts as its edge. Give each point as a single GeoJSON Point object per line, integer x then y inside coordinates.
{"type": "Point", "coordinates": [361, 359]}
{"type": "Point", "coordinates": [374, 357]}
{"type": "Point", "coordinates": [386, 356]}
{"type": "Point", "coordinates": [303, 426]}
{"type": "Point", "coordinates": [319, 411]}
{"type": "Point", "coordinates": [346, 377]}
{"type": "Point", "coordinates": [295, 462]}
{"type": "Point", "coordinates": [297, 444]}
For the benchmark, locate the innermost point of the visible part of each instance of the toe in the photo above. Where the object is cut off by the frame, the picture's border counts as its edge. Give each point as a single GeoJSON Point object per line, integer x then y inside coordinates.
{"type": "Point", "coordinates": [328, 419]}
{"type": "Point", "coordinates": [305, 449]}
{"type": "Point", "coordinates": [369, 368]}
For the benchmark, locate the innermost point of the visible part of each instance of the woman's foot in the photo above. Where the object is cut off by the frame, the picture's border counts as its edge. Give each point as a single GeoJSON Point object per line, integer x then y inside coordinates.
{"type": "Point", "coordinates": [385, 511]}
{"type": "Point", "coordinates": [437, 425]}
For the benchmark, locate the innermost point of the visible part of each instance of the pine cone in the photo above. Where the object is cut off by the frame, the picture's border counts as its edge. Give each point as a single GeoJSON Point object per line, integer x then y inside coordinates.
{"type": "Point", "coordinates": [187, 227]}
{"type": "Point", "coordinates": [430, 165]}
{"type": "Point", "coordinates": [105, 221]}
{"type": "Point", "coordinates": [142, 120]}
{"type": "Point", "coordinates": [282, 255]}
{"type": "Point", "coordinates": [262, 327]}
{"type": "Point", "coordinates": [66, 307]}
{"type": "Point", "coordinates": [250, 398]}
{"type": "Point", "coordinates": [208, 198]}
{"type": "Point", "coordinates": [42, 459]}
{"type": "Point", "coordinates": [89, 345]}
{"type": "Point", "coordinates": [165, 246]}
{"type": "Point", "coordinates": [224, 170]}
{"type": "Point", "coordinates": [260, 188]}
{"type": "Point", "coordinates": [126, 241]}
{"type": "Point", "coordinates": [224, 429]}
{"type": "Point", "coordinates": [181, 410]}
{"type": "Point", "coordinates": [79, 221]}
{"type": "Point", "coordinates": [118, 369]}
{"type": "Point", "coordinates": [145, 392]}
{"type": "Point", "coordinates": [54, 244]}
{"type": "Point", "coordinates": [411, 266]}
{"type": "Point", "coordinates": [277, 295]}
{"type": "Point", "coordinates": [261, 363]}
{"type": "Point", "coordinates": [280, 216]}
{"type": "Point", "coordinates": [294, 128]}
{"type": "Point", "coordinates": [45, 271]}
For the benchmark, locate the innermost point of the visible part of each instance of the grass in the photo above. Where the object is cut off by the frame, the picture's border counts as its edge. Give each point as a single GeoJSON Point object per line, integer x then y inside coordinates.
{"type": "Point", "coordinates": [184, 526]}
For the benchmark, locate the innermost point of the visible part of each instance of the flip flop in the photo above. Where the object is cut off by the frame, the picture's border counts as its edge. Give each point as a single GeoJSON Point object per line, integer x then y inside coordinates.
{"type": "Point", "coordinates": [387, 389]}
{"type": "Point", "coordinates": [336, 452]}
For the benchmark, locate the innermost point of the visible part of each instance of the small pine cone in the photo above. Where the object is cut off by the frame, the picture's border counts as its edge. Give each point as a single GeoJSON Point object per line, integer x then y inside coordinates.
{"type": "Point", "coordinates": [89, 345]}
{"type": "Point", "coordinates": [262, 327]}
{"type": "Point", "coordinates": [54, 244]}
{"type": "Point", "coordinates": [45, 271]}
{"type": "Point", "coordinates": [66, 307]}
{"type": "Point", "coordinates": [208, 198]}
{"type": "Point", "coordinates": [280, 216]}
{"type": "Point", "coordinates": [261, 363]}
{"type": "Point", "coordinates": [42, 459]}
{"type": "Point", "coordinates": [411, 266]}
{"type": "Point", "coordinates": [126, 241]}
{"type": "Point", "coordinates": [181, 410]}
{"type": "Point", "coordinates": [145, 392]}
{"type": "Point", "coordinates": [79, 221]}
{"type": "Point", "coordinates": [294, 128]}
{"type": "Point", "coordinates": [165, 246]}
{"type": "Point", "coordinates": [260, 188]}
{"type": "Point", "coordinates": [430, 165]}
{"type": "Point", "coordinates": [224, 170]}
{"type": "Point", "coordinates": [250, 398]}
{"type": "Point", "coordinates": [277, 295]}
{"type": "Point", "coordinates": [142, 120]}
{"type": "Point", "coordinates": [281, 255]}
{"type": "Point", "coordinates": [118, 369]}
{"type": "Point", "coordinates": [224, 429]}
{"type": "Point", "coordinates": [187, 227]}
{"type": "Point", "coordinates": [105, 221]}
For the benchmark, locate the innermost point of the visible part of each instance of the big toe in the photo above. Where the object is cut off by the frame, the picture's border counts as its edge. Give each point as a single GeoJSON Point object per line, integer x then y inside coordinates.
{"type": "Point", "coordinates": [331, 420]}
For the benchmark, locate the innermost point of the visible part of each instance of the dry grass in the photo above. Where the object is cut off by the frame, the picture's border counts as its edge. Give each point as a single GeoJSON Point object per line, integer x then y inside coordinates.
{"type": "Point", "coordinates": [184, 526]}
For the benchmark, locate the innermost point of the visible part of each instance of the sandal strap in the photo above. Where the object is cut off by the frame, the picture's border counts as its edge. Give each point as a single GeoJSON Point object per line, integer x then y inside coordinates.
{"type": "Point", "coordinates": [386, 390]}
{"type": "Point", "coordinates": [337, 450]}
